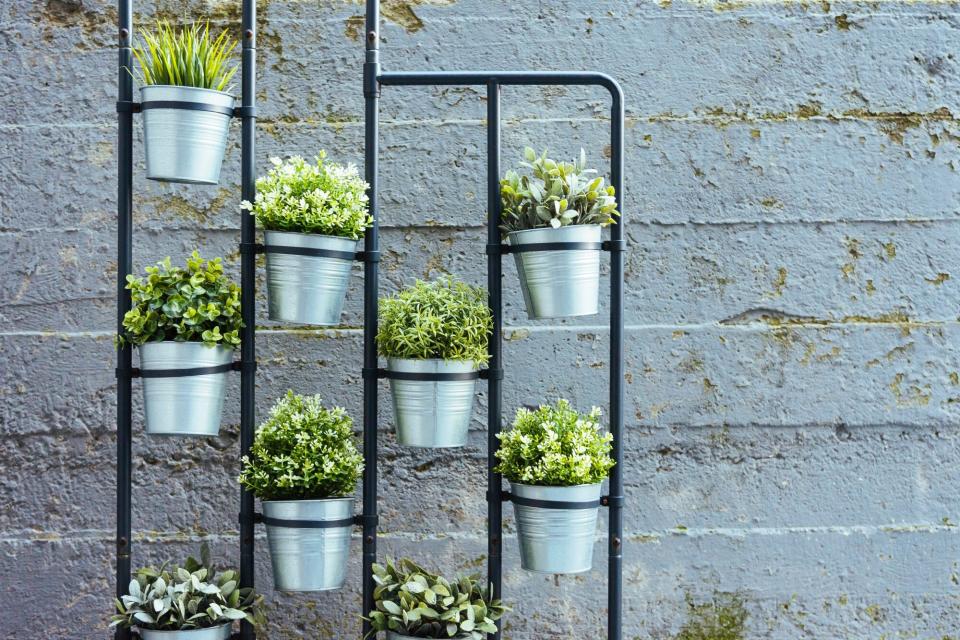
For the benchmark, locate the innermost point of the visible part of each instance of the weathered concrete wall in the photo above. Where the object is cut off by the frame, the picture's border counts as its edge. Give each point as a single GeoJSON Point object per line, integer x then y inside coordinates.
{"type": "Point", "coordinates": [794, 389]}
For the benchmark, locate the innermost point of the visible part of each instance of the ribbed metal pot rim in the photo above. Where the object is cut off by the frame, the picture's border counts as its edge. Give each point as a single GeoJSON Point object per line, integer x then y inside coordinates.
{"type": "Point", "coordinates": [570, 228]}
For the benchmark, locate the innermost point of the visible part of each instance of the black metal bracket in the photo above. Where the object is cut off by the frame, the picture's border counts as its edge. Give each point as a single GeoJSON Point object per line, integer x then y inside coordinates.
{"type": "Point", "coordinates": [314, 252]}
{"type": "Point", "coordinates": [367, 257]}
{"type": "Point", "coordinates": [137, 372]}
{"type": "Point", "coordinates": [428, 376]}
{"type": "Point", "coordinates": [612, 501]}
{"type": "Point", "coordinates": [551, 246]}
{"type": "Point", "coordinates": [251, 248]}
{"type": "Point", "coordinates": [244, 112]}
{"type": "Point", "coordinates": [371, 83]}
{"type": "Point", "coordinates": [127, 106]}
{"type": "Point", "coordinates": [491, 374]}
{"type": "Point", "coordinates": [308, 524]}
{"type": "Point", "coordinates": [507, 496]}
{"type": "Point", "coordinates": [614, 246]}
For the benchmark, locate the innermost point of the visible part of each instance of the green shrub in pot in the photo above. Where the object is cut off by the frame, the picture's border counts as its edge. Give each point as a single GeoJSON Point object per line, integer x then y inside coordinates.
{"type": "Point", "coordinates": [431, 328]}
{"type": "Point", "coordinates": [555, 454]}
{"type": "Point", "coordinates": [304, 466]}
{"type": "Point", "coordinates": [411, 602]}
{"type": "Point", "coordinates": [556, 202]}
{"type": "Point", "coordinates": [309, 206]}
{"type": "Point", "coordinates": [183, 318]}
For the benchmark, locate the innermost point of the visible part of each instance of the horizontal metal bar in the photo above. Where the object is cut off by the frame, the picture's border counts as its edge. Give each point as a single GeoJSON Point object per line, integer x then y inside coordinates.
{"type": "Point", "coordinates": [186, 106]}
{"type": "Point", "coordinates": [308, 524]}
{"type": "Point", "coordinates": [424, 376]}
{"type": "Point", "coordinates": [310, 251]}
{"type": "Point", "coordinates": [136, 372]}
{"type": "Point", "coordinates": [551, 246]}
{"type": "Point", "coordinates": [426, 78]}
{"type": "Point", "coordinates": [553, 504]}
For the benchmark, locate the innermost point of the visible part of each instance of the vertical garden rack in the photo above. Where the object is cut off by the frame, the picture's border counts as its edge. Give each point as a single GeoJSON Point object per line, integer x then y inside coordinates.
{"type": "Point", "coordinates": [373, 80]}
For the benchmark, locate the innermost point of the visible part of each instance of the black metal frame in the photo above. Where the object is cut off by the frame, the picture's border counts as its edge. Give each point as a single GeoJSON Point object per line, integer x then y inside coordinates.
{"type": "Point", "coordinates": [373, 80]}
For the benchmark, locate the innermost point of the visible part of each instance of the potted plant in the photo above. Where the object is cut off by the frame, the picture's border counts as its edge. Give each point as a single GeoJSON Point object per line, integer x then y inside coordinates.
{"type": "Point", "coordinates": [303, 466]}
{"type": "Point", "coordinates": [183, 318]}
{"type": "Point", "coordinates": [413, 603]}
{"type": "Point", "coordinates": [320, 206]}
{"type": "Point", "coordinates": [185, 101]}
{"type": "Point", "coordinates": [555, 459]}
{"type": "Point", "coordinates": [436, 329]}
{"type": "Point", "coordinates": [192, 602]}
{"type": "Point", "coordinates": [560, 202]}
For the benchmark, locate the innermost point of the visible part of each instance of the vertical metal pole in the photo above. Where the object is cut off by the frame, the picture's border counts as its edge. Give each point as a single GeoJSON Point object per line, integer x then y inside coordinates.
{"type": "Point", "coordinates": [494, 396]}
{"type": "Point", "coordinates": [615, 577]}
{"type": "Point", "coordinates": [248, 270]}
{"type": "Point", "coordinates": [124, 267]}
{"type": "Point", "coordinates": [371, 93]}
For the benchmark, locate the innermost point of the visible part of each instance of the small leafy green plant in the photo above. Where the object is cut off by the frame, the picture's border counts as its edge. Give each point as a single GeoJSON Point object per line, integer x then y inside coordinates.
{"type": "Point", "coordinates": [445, 319]}
{"type": "Point", "coordinates": [194, 596]}
{"type": "Point", "coordinates": [412, 601]}
{"type": "Point", "coordinates": [555, 446]}
{"type": "Point", "coordinates": [190, 57]}
{"type": "Point", "coordinates": [303, 451]}
{"type": "Point", "coordinates": [323, 198]}
{"type": "Point", "coordinates": [558, 194]}
{"type": "Point", "coordinates": [193, 304]}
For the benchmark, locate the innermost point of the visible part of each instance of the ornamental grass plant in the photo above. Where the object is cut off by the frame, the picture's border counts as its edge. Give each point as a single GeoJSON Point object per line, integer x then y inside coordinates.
{"type": "Point", "coordinates": [445, 319]}
{"type": "Point", "coordinates": [323, 198]}
{"type": "Point", "coordinates": [555, 446]}
{"type": "Point", "coordinates": [188, 57]}
{"type": "Point", "coordinates": [303, 451]}
{"type": "Point", "coordinates": [195, 303]}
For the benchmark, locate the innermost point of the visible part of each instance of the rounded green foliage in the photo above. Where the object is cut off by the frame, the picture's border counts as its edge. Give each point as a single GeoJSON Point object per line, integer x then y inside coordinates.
{"type": "Point", "coordinates": [189, 57]}
{"type": "Point", "coordinates": [193, 304]}
{"type": "Point", "coordinates": [303, 451]}
{"type": "Point", "coordinates": [323, 198]}
{"type": "Point", "coordinates": [194, 596]}
{"type": "Point", "coordinates": [414, 602]}
{"type": "Point", "coordinates": [445, 319]}
{"type": "Point", "coordinates": [558, 194]}
{"type": "Point", "coordinates": [555, 446]}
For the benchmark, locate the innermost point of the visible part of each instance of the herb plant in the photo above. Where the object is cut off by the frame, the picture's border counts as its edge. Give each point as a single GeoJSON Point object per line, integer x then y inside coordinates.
{"type": "Point", "coordinates": [411, 601]}
{"type": "Point", "coordinates": [193, 304]}
{"type": "Point", "coordinates": [303, 451]}
{"type": "Point", "coordinates": [323, 198]}
{"type": "Point", "coordinates": [558, 194]}
{"type": "Point", "coordinates": [190, 57]}
{"type": "Point", "coordinates": [555, 446]}
{"type": "Point", "coordinates": [194, 596]}
{"type": "Point", "coordinates": [445, 319]}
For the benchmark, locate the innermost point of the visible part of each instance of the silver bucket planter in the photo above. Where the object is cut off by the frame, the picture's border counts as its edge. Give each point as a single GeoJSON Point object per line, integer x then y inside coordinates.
{"type": "Point", "coordinates": [561, 283]}
{"type": "Point", "coordinates": [183, 405]}
{"type": "Point", "coordinates": [556, 540]}
{"type": "Point", "coordinates": [432, 413]}
{"type": "Point", "coordinates": [307, 289]}
{"type": "Point", "coordinates": [182, 144]}
{"type": "Point", "coordinates": [309, 558]}
{"type": "Point", "coordinates": [221, 632]}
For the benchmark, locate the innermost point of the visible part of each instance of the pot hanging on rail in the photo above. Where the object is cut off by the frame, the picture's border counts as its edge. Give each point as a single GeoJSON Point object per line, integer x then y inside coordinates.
{"type": "Point", "coordinates": [433, 413]}
{"type": "Point", "coordinates": [183, 405]}
{"type": "Point", "coordinates": [307, 289]}
{"type": "Point", "coordinates": [221, 632]}
{"type": "Point", "coordinates": [556, 526]}
{"type": "Point", "coordinates": [309, 542]}
{"type": "Point", "coordinates": [185, 132]}
{"type": "Point", "coordinates": [559, 283]}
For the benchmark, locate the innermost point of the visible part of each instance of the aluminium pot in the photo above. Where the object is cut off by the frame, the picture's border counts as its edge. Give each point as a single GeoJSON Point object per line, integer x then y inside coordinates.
{"type": "Point", "coordinates": [432, 413]}
{"type": "Point", "coordinates": [183, 405]}
{"type": "Point", "coordinates": [556, 540]}
{"type": "Point", "coordinates": [308, 558]}
{"type": "Point", "coordinates": [221, 632]}
{"type": "Point", "coordinates": [562, 283]}
{"type": "Point", "coordinates": [182, 144]}
{"type": "Point", "coordinates": [307, 289]}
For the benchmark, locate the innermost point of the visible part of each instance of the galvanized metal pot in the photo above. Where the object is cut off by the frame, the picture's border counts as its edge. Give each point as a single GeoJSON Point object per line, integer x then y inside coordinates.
{"type": "Point", "coordinates": [393, 635]}
{"type": "Point", "coordinates": [221, 632]}
{"type": "Point", "coordinates": [556, 540]}
{"type": "Point", "coordinates": [184, 405]}
{"type": "Point", "coordinates": [185, 145]}
{"type": "Point", "coordinates": [432, 413]}
{"type": "Point", "coordinates": [307, 289]}
{"type": "Point", "coordinates": [305, 558]}
{"type": "Point", "coordinates": [563, 283]}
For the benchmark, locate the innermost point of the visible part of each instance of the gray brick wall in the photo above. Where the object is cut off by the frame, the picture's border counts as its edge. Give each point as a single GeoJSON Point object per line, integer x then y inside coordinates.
{"type": "Point", "coordinates": [793, 391]}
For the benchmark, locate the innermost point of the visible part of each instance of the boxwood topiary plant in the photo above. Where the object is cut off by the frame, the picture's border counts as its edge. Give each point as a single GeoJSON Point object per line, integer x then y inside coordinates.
{"type": "Point", "coordinates": [194, 596]}
{"type": "Point", "coordinates": [558, 194]}
{"type": "Point", "coordinates": [193, 304]}
{"type": "Point", "coordinates": [446, 319]}
{"type": "Point", "coordinates": [303, 451]}
{"type": "Point", "coordinates": [555, 446]}
{"type": "Point", "coordinates": [323, 198]}
{"type": "Point", "coordinates": [189, 57]}
{"type": "Point", "coordinates": [412, 601]}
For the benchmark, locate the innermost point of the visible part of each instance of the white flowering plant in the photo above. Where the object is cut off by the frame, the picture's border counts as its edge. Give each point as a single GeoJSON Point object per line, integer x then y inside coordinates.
{"type": "Point", "coordinates": [303, 451]}
{"type": "Point", "coordinates": [555, 446]}
{"type": "Point", "coordinates": [324, 198]}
